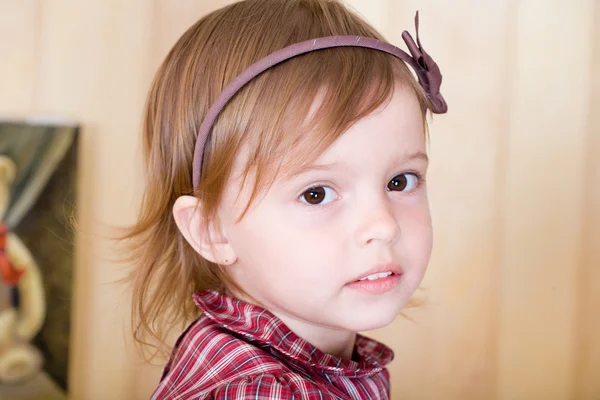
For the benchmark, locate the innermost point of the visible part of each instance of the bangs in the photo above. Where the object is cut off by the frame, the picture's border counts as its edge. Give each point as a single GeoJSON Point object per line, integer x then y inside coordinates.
{"type": "Point", "coordinates": [298, 109]}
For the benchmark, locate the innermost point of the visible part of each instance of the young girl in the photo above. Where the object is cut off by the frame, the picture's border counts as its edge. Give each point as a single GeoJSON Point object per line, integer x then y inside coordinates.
{"type": "Point", "coordinates": [285, 146]}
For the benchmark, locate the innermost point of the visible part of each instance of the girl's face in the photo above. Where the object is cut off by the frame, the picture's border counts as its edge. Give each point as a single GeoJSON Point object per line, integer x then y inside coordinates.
{"type": "Point", "coordinates": [360, 209]}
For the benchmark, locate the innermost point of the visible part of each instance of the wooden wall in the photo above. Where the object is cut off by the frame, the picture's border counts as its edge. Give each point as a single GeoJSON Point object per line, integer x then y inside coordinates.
{"type": "Point", "coordinates": [514, 285]}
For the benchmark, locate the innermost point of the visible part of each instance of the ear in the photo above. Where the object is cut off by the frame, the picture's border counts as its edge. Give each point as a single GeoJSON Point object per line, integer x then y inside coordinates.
{"type": "Point", "coordinates": [208, 241]}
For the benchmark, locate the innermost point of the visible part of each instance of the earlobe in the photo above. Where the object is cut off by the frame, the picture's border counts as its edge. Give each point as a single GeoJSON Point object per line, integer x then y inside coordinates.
{"type": "Point", "coordinates": [208, 241]}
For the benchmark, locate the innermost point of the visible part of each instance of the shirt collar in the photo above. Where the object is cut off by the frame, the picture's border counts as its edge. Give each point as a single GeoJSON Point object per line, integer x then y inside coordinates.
{"type": "Point", "coordinates": [260, 325]}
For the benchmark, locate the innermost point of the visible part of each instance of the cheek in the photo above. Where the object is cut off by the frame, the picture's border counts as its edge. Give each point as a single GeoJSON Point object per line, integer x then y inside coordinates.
{"type": "Point", "coordinates": [416, 229]}
{"type": "Point", "coordinates": [264, 240]}
{"type": "Point", "coordinates": [284, 250]}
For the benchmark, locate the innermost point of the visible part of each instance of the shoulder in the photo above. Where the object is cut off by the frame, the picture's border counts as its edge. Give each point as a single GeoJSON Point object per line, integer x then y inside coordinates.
{"type": "Point", "coordinates": [206, 357]}
{"type": "Point", "coordinates": [289, 386]}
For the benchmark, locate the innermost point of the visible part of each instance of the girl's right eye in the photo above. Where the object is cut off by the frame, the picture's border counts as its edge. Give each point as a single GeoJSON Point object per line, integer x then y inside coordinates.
{"type": "Point", "coordinates": [318, 195]}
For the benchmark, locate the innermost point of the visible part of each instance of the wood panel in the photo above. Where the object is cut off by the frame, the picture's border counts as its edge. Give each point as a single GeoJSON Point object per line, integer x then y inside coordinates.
{"type": "Point", "coordinates": [92, 68]}
{"type": "Point", "coordinates": [543, 189]}
{"type": "Point", "coordinates": [449, 351]}
{"type": "Point", "coordinates": [513, 289]}
{"type": "Point", "coordinates": [587, 361]}
{"type": "Point", "coordinates": [18, 26]}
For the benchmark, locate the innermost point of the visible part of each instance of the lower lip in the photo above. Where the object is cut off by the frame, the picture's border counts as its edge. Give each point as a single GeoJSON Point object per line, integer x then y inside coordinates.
{"type": "Point", "coordinates": [376, 286]}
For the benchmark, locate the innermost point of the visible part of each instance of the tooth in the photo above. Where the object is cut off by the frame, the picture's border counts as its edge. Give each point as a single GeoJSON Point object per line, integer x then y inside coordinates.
{"type": "Point", "coordinates": [378, 275]}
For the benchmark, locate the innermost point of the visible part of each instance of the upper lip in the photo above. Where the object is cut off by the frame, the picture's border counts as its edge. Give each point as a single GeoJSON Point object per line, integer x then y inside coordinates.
{"type": "Point", "coordinates": [387, 267]}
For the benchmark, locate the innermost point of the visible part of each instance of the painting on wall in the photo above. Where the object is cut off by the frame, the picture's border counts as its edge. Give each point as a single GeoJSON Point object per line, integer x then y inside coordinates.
{"type": "Point", "coordinates": [38, 166]}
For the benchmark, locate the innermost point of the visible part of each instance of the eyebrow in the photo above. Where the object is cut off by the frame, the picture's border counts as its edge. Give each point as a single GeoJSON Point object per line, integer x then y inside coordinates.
{"type": "Point", "coordinates": [411, 157]}
{"type": "Point", "coordinates": [399, 159]}
{"type": "Point", "coordinates": [309, 168]}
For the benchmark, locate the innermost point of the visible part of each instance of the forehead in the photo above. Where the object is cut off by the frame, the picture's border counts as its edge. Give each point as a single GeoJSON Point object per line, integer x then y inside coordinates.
{"type": "Point", "coordinates": [396, 126]}
{"type": "Point", "coordinates": [391, 133]}
{"type": "Point", "coordinates": [392, 130]}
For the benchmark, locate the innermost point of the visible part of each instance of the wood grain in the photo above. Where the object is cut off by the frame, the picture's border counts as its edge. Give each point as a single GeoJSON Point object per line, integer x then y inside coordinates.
{"type": "Point", "coordinates": [513, 287]}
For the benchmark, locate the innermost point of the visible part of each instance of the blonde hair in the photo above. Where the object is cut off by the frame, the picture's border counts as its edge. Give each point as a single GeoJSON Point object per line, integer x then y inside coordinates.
{"type": "Point", "coordinates": [268, 116]}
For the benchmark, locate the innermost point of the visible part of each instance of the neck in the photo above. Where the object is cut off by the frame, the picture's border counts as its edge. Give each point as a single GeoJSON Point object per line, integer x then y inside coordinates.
{"type": "Point", "coordinates": [337, 342]}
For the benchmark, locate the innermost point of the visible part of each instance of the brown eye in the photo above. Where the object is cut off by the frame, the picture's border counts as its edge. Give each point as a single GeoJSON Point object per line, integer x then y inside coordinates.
{"type": "Point", "coordinates": [316, 195]}
{"type": "Point", "coordinates": [403, 182]}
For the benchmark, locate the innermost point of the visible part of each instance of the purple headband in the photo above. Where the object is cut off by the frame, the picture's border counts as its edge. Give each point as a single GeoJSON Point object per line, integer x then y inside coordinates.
{"type": "Point", "coordinates": [426, 69]}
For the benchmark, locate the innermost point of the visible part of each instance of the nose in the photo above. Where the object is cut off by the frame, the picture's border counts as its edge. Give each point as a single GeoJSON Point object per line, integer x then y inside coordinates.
{"type": "Point", "coordinates": [377, 223]}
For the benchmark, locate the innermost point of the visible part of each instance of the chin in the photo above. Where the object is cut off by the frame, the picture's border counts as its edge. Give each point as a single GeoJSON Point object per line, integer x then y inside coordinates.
{"type": "Point", "coordinates": [368, 319]}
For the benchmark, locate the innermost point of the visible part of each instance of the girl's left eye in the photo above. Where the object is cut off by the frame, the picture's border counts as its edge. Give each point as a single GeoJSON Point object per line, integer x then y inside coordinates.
{"type": "Point", "coordinates": [403, 182]}
{"type": "Point", "coordinates": [318, 195]}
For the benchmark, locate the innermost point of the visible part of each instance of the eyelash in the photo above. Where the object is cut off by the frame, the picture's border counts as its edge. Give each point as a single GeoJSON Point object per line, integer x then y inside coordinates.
{"type": "Point", "coordinates": [420, 183]}
{"type": "Point", "coordinates": [420, 180]}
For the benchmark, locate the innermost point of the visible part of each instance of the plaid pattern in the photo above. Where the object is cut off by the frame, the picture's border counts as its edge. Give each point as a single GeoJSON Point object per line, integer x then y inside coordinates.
{"type": "Point", "coordinates": [237, 350]}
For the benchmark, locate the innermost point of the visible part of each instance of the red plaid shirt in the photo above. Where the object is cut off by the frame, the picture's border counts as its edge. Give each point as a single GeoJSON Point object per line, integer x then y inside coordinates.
{"type": "Point", "coordinates": [237, 350]}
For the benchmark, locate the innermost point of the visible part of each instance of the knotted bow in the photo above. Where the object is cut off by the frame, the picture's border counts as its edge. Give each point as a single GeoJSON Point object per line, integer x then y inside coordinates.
{"type": "Point", "coordinates": [428, 72]}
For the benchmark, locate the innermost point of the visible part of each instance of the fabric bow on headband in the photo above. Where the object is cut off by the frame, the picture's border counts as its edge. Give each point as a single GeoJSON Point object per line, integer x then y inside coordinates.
{"type": "Point", "coordinates": [428, 73]}
{"type": "Point", "coordinates": [427, 70]}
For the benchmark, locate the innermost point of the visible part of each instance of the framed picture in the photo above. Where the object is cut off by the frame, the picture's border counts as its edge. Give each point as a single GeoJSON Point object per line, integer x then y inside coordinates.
{"type": "Point", "coordinates": [38, 167]}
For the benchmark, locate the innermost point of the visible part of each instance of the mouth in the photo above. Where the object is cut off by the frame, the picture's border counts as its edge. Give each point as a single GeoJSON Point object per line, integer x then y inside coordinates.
{"type": "Point", "coordinates": [380, 271]}
{"type": "Point", "coordinates": [375, 276]}
{"type": "Point", "coordinates": [379, 280]}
